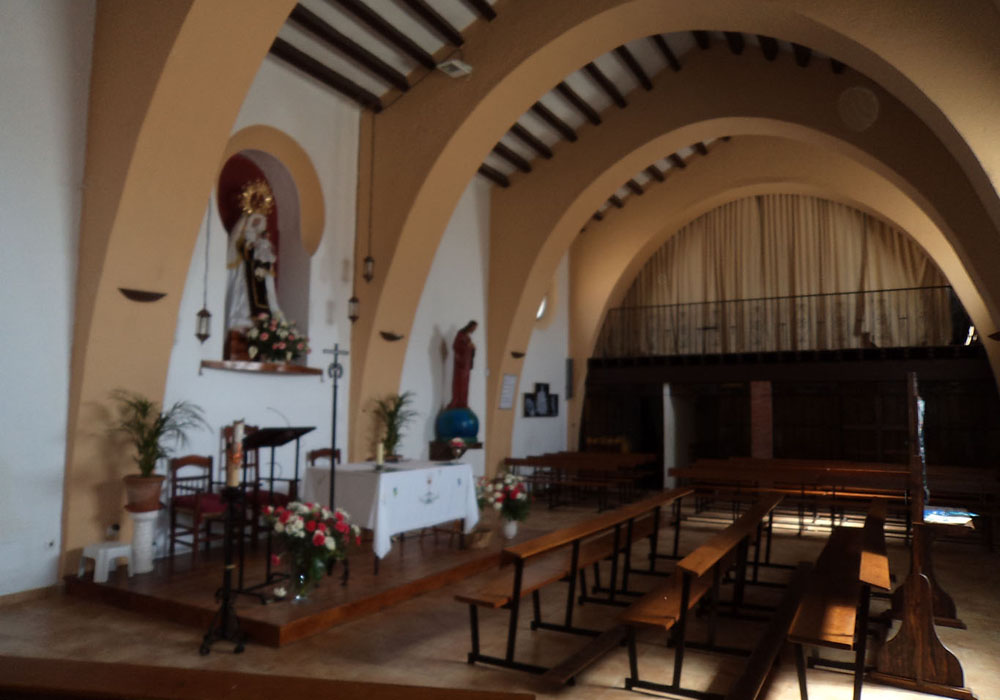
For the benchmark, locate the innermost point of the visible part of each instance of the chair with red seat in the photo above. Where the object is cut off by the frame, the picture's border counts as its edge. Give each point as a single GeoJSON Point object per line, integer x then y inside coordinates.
{"type": "Point", "coordinates": [192, 495]}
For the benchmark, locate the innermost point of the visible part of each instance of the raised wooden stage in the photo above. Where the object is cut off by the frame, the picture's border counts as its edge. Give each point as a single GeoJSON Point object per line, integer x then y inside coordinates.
{"type": "Point", "coordinates": [186, 594]}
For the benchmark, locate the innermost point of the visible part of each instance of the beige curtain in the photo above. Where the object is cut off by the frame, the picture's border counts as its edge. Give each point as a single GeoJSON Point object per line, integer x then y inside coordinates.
{"type": "Point", "coordinates": [781, 272]}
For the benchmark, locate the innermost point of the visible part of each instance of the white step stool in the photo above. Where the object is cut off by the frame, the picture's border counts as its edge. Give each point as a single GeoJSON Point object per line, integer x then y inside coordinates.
{"type": "Point", "coordinates": [105, 556]}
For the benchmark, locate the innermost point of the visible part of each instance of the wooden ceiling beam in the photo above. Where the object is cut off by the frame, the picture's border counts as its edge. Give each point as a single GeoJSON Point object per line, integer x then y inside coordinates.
{"type": "Point", "coordinates": [316, 26]}
{"type": "Point", "coordinates": [633, 65]}
{"type": "Point", "coordinates": [531, 140]}
{"type": "Point", "coordinates": [735, 41]}
{"type": "Point", "coordinates": [493, 174]}
{"type": "Point", "coordinates": [768, 46]}
{"type": "Point", "coordinates": [555, 122]}
{"type": "Point", "coordinates": [388, 32]}
{"type": "Point", "coordinates": [701, 148]}
{"type": "Point", "coordinates": [677, 160]}
{"type": "Point", "coordinates": [512, 157]}
{"type": "Point", "coordinates": [483, 8]}
{"type": "Point", "coordinates": [435, 21]}
{"type": "Point", "coordinates": [605, 84]}
{"type": "Point", "coordinates": [664, 47]}
{"type": "Point", "coordinates": [323, 73]}
{"type": "Point", "coordinates": [616, 201]}
{"type": "Point", "coordinates": [702, 39]}
{"type": "Point", "coordinates": [635, 187]}
{"type": "Point", "coordinates": [836, 66]}
{"type": "Point", "coordinates": [802, 55]}
{"type": "Point", "coordinates": [656, 173]}
{"type": "Point", "coordinates": [581, 105]}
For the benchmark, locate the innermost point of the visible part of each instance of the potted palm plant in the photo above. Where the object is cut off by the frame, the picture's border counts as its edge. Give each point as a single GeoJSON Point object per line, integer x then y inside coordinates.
{"type": "Point", "coordinates": [151, 432]}
{"type": "Point", "coordinates": [393, 415]}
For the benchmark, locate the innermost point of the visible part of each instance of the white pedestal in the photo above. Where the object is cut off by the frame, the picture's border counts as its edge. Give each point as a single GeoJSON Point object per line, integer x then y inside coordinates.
{"type": "Point", "coordinates": [143, 527]}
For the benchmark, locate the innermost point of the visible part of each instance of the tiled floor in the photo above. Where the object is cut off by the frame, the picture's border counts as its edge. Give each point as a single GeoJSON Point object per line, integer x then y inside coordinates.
{"type": "Point", "coordinates": [424, 641]}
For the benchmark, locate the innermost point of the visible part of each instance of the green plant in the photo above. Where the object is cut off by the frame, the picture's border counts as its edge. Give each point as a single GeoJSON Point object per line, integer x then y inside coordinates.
{"type": "Point", "coordinates": [393, 415]}
{"type": "Point", "coordinates": [147, 427]}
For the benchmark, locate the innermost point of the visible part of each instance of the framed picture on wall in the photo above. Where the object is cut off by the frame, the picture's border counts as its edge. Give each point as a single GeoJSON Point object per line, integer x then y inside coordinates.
{"type": "Point", "coordinates": [542, 396]}
{"type": "Point", "coordinates": [541, 403]}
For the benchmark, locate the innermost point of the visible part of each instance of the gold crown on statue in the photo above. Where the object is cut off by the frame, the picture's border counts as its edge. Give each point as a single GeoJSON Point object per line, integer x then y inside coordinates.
{"type": "Point", "coordinates": [256, 197]}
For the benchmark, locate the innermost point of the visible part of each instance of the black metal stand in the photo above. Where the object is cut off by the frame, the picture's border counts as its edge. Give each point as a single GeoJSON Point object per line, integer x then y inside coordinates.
{"type": "Point", "coordinates": [225, 624]}
{"type": "Point", "coordinates": [268, 437]}
{"type": "Point", "coordinates": [335, 371]}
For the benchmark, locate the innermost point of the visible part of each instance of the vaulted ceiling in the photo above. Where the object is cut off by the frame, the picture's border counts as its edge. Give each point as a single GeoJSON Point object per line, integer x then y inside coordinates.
{"type": "Point", "coordinates": [376, 51]}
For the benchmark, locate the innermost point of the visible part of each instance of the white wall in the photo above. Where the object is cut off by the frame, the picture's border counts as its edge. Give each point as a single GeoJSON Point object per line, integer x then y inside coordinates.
{"type": "Point", "coordinates": [454, 294]}
{"type": "Point", "coordinates": [326, 126]}
{"type": "Point", "coordinates": [545, 363]}
{"type": "Point", "coordinates": [45, 53]}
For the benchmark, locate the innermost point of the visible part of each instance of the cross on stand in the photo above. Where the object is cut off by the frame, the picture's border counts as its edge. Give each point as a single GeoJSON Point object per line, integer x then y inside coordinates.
{"type": "Point", "coordinates": [335, 371]}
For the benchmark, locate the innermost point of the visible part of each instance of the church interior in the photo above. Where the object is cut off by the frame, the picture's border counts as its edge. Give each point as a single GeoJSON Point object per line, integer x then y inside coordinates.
{"type": "Point", "coordinates": [364, 319]}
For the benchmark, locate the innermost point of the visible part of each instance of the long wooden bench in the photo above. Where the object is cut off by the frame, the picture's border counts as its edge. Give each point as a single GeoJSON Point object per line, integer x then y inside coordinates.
{"type": "Point", "coordinates": [758, 667]}
{"type": "Point", "coordinates": [63, 679]}
{"type": "Point", "coordinates": [561, 555]}
{"type": "Point", "coordinates": [562, 473]}
{"type": "Point", "coordinates": [834, 609]}
{"type": "Point", "coordinates": [667, 607]}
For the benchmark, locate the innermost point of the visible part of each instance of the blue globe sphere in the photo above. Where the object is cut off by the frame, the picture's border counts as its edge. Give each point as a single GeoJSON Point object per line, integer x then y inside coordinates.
{"type": "Point", "coordinates": [456, 422]}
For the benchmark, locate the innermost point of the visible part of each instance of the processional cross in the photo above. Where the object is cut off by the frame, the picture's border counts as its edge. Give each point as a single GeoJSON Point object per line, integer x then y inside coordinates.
{"type": "Point", "coordinates": [335, 371]}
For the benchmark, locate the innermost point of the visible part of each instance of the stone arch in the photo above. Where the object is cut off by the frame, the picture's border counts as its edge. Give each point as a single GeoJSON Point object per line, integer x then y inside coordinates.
{"type": "Point", "coordinates": [608, 256]}
{"type": "Point", "coordinates": [535, 220]}
{"type": "Point", "coordinates": [447, 130]}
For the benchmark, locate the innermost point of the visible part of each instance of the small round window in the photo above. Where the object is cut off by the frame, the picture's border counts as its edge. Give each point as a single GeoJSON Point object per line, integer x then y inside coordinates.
{"type": "Point", "coordinates": [542, 307]}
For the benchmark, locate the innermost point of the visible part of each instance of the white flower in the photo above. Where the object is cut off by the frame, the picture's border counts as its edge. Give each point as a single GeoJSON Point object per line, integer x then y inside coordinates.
{"type": "Point", "coordinates": [252, 351]}
{"type": "Point", "coordinates": [279, 592]}
{"type": "Point", "coordinates": [497, 505]}
{"type": "Point", "coordinates": [330, 543]}
{"type": "Point", "coordinates": [288, 355]}
{"type": "Point", "coordinates": [253, 332]}
{"type": "Point", "coordinates": [279, 528]}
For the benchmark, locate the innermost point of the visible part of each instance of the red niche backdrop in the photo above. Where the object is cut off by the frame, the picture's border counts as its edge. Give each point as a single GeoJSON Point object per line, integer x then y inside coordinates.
{"type": "Point", "coordinates": [237, 172]}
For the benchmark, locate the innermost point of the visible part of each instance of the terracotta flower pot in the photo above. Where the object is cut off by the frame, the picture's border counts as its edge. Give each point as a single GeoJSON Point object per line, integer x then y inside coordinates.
{"type": "Point", "coordinates": [143, 492]}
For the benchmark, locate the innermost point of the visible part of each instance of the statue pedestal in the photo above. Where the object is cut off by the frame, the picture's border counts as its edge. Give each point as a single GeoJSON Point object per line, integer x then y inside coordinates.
{"type": "Point", "coordinates": [143, 526]}
{"type": "Point", "coordinates": [440, 450]}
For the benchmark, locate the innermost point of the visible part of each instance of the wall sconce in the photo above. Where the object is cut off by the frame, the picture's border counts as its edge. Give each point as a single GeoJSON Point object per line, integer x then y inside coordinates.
{"type": "Point", "coordinates": [369, 267]}
{"type": "Point", "coordinates": [390, 336]}
{"type": "Point", "coordinates": [517, 355]}
{"type": "Point", "coordinates": [203, 327]}
{"type": "Point", "coordinates": [352, 309]}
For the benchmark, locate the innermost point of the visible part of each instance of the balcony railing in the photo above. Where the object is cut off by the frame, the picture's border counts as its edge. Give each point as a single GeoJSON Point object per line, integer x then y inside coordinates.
{"type": "Point", "coordinates": [913, 317]}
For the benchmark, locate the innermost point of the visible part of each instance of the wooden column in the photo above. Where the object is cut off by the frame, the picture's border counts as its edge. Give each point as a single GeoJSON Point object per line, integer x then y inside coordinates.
{"type": "Point", "coordinates": [761, 421]}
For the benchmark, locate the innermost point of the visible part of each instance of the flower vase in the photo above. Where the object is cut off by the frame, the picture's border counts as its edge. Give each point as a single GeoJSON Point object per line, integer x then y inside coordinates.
{"type": "Point", "coordinates": [306, 575]}
{"type": "Point", "coordinates": [509, 529]}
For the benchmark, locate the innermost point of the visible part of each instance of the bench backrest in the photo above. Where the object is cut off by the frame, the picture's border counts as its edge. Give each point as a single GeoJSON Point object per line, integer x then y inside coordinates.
{"type": "Point", "coordinates": [708, 555]}
{"type": "Point", "coordinates": [591, 526]}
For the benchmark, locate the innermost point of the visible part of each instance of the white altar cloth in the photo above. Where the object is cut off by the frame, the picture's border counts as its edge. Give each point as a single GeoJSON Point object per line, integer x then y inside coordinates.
{"type": "Point", "coordinates": [403, 496]}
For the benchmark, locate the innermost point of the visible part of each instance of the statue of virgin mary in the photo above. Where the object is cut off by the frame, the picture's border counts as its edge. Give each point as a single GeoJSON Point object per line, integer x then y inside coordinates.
{"type": "Point", "coordinates": [250, 260]}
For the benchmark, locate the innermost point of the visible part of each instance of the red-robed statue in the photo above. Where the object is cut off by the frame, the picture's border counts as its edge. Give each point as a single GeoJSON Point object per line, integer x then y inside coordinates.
{"type": "Point", "coordinates": [464, 350]}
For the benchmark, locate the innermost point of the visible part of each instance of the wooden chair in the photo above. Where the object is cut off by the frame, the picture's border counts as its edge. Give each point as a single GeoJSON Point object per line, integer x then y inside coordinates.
{"type": "Point", "coordinates": [321, 453]}
{"type": "Point", "coordinates": [192, 495]}
{"type": "Point", "coordinates": [255, 494]}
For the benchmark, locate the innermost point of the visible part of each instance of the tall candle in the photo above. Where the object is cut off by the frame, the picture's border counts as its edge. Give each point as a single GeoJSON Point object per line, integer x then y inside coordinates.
{"type": "Point", "coordinates": [380, 454]}
{"type": "Point", "coordinates": [235, 455]}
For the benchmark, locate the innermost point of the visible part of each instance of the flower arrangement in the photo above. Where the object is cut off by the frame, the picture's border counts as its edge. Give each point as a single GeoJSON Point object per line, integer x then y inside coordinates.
{"type": "Point", "coordinates": [506, 494]}
{"type": "Point", "coordinates": [273, 339]}
{"type": "Point", "coordinates": [313, 537]}
{"type": "Point", "coordinates": [457, 447]}
{"type": "Point", "coordinates": [393, 414]}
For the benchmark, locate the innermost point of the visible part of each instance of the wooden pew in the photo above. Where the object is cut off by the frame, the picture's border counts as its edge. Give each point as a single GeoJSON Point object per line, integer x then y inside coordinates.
{"type": "Point", "coordinates": [558, 556]}
{"type": "Point", "coordinates": [667, 607]}
{"type": "Point", "coordinates": [834, 609]}
{"type": "Point", "coordinates": [770, 643]}
{"type": "Point", "coordinates": [567, 472]}
{"type": "Point", "coordinates": [63, 679]}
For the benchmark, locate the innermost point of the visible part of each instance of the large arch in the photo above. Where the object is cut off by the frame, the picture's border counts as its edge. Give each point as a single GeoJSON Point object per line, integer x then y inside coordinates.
{"type": "Point", "coordinates": [535, 220]}
{"type": "Point", "coordinates": [605, 259]}
{"type": "Point", "coordinates": [167, 82]}
{"type": "Point", "coordinates": [427, 146]}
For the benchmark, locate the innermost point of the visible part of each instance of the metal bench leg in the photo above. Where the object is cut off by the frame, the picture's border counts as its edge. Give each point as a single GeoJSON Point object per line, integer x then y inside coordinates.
{"type": "Point", "coordinates": [536, 604]}
{"type": "Point", "coordinates": [574, 563]}
{"type": "Point", "coordinates": [800, 666]}
{"type": "Point", "coordinates": [861, 640]}
{"type": "Point", "coordinates": [679, 629]}
{"type": "Point", "coordinates": [515, 604]}
{"type": "Point", "coordinates": [654, 539]}
{"type": "Point", "coordinates": [633, 660]}
{"type": "Point", "coordinates": [474, 628]}
{"type": "Point", "coordinates": [677, 526]}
